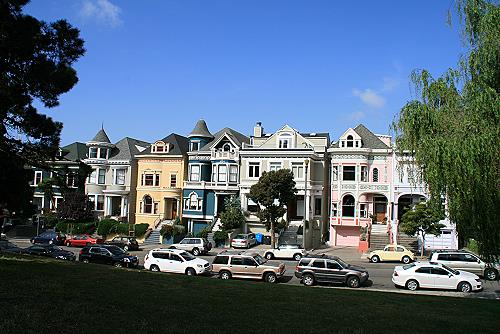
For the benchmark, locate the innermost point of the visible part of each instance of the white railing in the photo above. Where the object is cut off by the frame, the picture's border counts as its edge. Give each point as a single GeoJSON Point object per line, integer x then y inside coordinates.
{"type": "Point", "coordinates": [225, 155]}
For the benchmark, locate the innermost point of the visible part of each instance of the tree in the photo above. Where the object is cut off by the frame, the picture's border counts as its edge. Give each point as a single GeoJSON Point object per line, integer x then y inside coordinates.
{"type": "Point", "coordinates": [452, 129]}
{"type": "Point", "coordinates": [423, 219]}
{"type": "Point", "coordinates": [75, 207]}
{"type": "Point", "coordinates": [273, 192]}
{"type": "Point", "coordinates": [232, 217]}
{"type": "Point", "coordinates": [35, 67]}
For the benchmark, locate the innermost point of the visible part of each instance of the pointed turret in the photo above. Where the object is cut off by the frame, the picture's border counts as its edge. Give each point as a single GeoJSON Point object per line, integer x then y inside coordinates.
{"type": "Point", "coordinates": [101, 137]}
{"type": "Point", "coordinates": [201, 131]}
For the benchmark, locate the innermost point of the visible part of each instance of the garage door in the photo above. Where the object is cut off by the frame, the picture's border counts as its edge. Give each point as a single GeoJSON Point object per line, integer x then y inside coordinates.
{"type": "Point", "coordinates": [447, 240]}
{"type": "Point", "coordinates": [347, 236]}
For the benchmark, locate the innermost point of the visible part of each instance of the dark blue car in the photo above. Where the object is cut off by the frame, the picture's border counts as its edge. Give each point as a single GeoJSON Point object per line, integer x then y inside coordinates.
{"type": "Point", "coordinates": [49, 237]}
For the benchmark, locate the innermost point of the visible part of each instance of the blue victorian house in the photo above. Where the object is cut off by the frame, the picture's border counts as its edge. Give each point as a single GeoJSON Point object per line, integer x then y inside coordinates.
{"type": "Point", "coordinates": [213, 174]}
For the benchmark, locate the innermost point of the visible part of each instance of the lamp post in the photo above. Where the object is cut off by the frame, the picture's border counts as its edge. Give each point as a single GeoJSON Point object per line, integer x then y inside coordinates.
{"type": "Point", "coordinates": [306, 165]}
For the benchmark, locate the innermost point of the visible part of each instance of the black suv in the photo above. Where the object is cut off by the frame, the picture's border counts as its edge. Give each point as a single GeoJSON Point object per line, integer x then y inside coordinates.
{"type": "Point", "coordinates": [329, 269]}
{"type": "Point", "coordinates": [107, 254]}
{"type": "Point", "coordinates": [124, 242]}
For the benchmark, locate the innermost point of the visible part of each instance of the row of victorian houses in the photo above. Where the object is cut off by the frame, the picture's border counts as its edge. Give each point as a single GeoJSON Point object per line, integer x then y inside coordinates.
{"type": "Point", "coordinates": [355, 181]}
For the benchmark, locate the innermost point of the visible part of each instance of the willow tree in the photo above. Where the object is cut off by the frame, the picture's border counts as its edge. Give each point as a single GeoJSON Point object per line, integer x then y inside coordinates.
{"type": "Point", "coordinates": [452, 129]}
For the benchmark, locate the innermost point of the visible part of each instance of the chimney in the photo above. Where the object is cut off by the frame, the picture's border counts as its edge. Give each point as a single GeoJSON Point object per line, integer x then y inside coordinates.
{"type": "Point", "coordinates": [258, 130]}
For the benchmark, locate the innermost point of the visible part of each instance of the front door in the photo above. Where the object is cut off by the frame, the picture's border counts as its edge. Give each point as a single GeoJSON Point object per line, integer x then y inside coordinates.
{"type": "Point", "coordinates": [174, 209]}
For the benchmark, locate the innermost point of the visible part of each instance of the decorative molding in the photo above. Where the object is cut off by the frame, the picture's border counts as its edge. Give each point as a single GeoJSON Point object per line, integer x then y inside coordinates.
{"type": "Point", "coordinates": [349, 186]}
{"type": "Point", "coordinates": [373, 187]}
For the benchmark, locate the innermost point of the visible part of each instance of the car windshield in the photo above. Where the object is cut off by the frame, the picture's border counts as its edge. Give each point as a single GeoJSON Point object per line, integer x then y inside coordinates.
{"type": "Point", "coordinates": [260, 260]}
{"type": "Point", "coordinates": [115, 250]}
{"type": "Point", "coordinates": [187, 256]}
{"type": "Point", "coordinates": [342, 263]}
{"type": "Point", "coordinates": [455, 272]}
{"type": "Point", "coordinates": [408, 266]}
{"type": "Point", "coordinates": [240, 236]}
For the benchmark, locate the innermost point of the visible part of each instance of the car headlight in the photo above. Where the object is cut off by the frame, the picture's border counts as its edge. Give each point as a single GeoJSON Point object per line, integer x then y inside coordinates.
{"type": "Point", "coordinates": [364, 274]}
{"type": "Point", "coordinates": [126, 259]}
{"type": "Point", "coordinates": [199, 266]}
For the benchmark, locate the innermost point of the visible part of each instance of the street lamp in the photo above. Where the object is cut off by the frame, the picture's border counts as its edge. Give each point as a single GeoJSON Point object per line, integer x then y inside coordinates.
{"type": "Point", "coordinates": [306, 165]}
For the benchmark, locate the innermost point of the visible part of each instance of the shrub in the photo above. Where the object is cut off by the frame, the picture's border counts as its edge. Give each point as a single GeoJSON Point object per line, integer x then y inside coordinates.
{"type": "Point", "coordinates": [105, 226]}
{"type": "Point", "coordinates": [75, 228]}
{"type": "Point", "coordinates": [203, 233]}
{"type": "Point", "coordinates": [167, 231]}
{"type": "Point", "coordinates": [140, 229]}
{"type": "Point", "coordinates": [220, 237]}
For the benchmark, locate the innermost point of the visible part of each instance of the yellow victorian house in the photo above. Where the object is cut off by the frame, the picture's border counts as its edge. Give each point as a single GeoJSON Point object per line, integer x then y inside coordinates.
{"type": "Point", "coordinates": [161, 172]}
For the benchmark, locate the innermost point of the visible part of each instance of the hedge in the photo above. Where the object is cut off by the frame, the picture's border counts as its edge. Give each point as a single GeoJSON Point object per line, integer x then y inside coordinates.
{"type": "Point", "coordinates": [76, 228]}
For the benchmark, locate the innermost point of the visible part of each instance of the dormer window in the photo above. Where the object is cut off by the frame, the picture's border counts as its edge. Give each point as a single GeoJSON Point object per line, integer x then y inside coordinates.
{"type": "Point", "coordinates": [195, 146]}
{"type": "Point", "coordinates": [93, 153]}
{"type": "Point", "coordinates": [103, 153]}
{"type": "Point", "coordinates": [350, 141]}
{"type": "Point", "coordinates": [159, 147]}
{"type": "Point", "coordinates": [285, 141]}
{"type": "Point", "coordinates": [226, 147]}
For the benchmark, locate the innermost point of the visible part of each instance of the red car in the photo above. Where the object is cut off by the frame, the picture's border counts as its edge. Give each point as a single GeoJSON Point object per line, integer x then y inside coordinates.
{"type": "Point", "coordinates": [82, 241]}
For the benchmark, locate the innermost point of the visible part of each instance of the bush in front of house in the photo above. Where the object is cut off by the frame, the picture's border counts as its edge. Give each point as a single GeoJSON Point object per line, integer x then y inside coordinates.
{"type": "Point", "coordinates": [220, 237]}
{"type": "Point", "coordinates": [76, 228]}
{"type": "Point", "coordinates": [105, 227]}
{"type": "Point", "coordinates": [140, 229]}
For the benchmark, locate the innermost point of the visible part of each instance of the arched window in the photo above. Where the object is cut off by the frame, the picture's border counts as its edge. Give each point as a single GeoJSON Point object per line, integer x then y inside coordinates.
{"type": "Point", "coordinates": [226, 147]}
{"type": "Point", "coordinates": [375, 175]}
{"type": "Point", "coordinates": [193, 203]}
{"type": "Point", "coordinates": [350, 141]}
{"type": "Point", "coordinates": [348, 206]}
{"type": "Point", "coordinates": [147, 204]}
{"type": "Point", "coordinates": [285, 140]}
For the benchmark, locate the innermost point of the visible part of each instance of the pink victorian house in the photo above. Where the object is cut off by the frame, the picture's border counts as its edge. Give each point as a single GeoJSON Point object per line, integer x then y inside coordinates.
{"type": "Point", "coordinates": [361, 184]}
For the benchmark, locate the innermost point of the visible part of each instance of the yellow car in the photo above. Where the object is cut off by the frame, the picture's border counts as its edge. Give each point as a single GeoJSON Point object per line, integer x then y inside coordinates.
{"type": "Point", "coordinates": [392, 253]}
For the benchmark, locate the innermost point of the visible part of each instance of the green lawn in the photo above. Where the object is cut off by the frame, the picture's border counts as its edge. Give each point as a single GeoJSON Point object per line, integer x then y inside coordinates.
{"type": "Point", "coordinates": [48, 296]}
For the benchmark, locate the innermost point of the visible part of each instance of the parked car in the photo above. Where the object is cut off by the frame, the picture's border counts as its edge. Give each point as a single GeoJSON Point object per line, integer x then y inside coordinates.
{"type": "Point", "coordinates": [244, 240]}
{"type": "Point", "coordinates": [83, 240]}
{"type": "Point", "coordinates": [434, 276]}
{"type": "Point", "coordinates": [392, 253]}
{"type": "Point", "coordinates": [314, 269]}
{"type": "Point", "coordinates": [52, 251]}
{"type": "Point", "coordinates": [9, 247]}
{"type": "Point", "coordinates": [464, 260]}
{"type": "Point", "coordinates": [176, 261]}
{"type": "Point", "coordinates": [196, 246]}
{"type": "Point", "coordinates": [49, 237]}
{"type": "Point", "coordinates": [107, 254]}
{"type": "Point", "coordinates": [231, 264]}
{"type": "Point", "coordinates": [124, 242]}
{"type": "Point", "coordinates": [287, 251]}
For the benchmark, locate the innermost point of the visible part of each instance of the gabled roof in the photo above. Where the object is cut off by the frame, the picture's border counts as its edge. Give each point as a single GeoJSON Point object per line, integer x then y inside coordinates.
{"type": "Point", "coordinates": [369, 140]}
{"type": "Point", "coordinates": [200, 130]}
{"type": "Point", "coordinates": [101, 137]}
{"type": "Point", "coordinates": [74, 152]}
{"type": "Point", "coordinates": [126, 149]}
{"type": "Point", "coordinates": [180, 145]}
{"type": "Point", "coordinates": [233, 135]}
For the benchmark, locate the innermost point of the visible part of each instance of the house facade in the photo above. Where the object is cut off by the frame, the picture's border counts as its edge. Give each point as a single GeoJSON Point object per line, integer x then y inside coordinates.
{"type": "Point", "coordinates": [305, 154]}
{"type": "Point", "coordinates": [66, 168]}
{"type": "Point", "coordinates": [213, 174]}
{"type": "Point", "coordinates": [161, 171]}
{"type": "Point", "coordinates": [361, 184]}
{"type": "Point", "coordinates": [111, 186]}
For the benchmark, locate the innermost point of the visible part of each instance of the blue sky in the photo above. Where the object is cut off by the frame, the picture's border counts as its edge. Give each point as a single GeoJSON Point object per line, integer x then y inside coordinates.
{"type": "Point", "coordinates": [155, 67]}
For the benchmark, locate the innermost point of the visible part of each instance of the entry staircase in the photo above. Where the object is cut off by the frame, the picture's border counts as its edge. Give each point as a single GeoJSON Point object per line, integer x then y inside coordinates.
{"type": "Point", "coordinates": [378, 236]}
{"type": "Point", "coordinates": [290, 236]}
{"type": "Point", "coordinates": [154, 237]}
{"type": "Point", "coordinates": [409, 242]}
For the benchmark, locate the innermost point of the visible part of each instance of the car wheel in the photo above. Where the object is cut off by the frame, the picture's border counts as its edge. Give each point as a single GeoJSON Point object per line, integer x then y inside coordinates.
{"type": "Point", "coordinates": [190, 272]}
{"type": "Point", "coordinates": [269, 256]}
{"type": "Point", "coordinates": [375, 259]}
{"type": "Point", "coordinates": [172, 247]}
{"type": "Point", "coordinates": [85, 261]}
{"type": "Point", "coordinates": [225, 275]}
{"type": "Point", "coordinates": [308, 280]}
{"type": "Point", "coordinates": [464, 287]}
{"type": "Point", "coordinates": [154, 268]}
{"type": "Point", "coordinates": [353, 282]}
{"type": "Point", "coordinates": [271, 278]}
{"type": "Point", "coordinates": [491, 274]}
{"type": "Point", "coordinates": [406, 259]}
{"type": "Point", "coordinates": [196, 251]}
{"type": "Point", "coordinates": [118, 264]}
{"type": "Point", "coordinates": [297, 257]}
{"type": "Point", "coordinates": [412, 285]}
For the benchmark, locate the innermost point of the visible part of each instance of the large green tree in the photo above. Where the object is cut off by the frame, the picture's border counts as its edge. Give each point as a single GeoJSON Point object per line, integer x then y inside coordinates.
{"type": "Point", "coordinates": [232, 217]}
{"type": "Point", "coordinates": [452, 129]}
{"type": "Point", "coordinates": [36, 61]}
{"type": "Point", "coordinates": [272, 193]}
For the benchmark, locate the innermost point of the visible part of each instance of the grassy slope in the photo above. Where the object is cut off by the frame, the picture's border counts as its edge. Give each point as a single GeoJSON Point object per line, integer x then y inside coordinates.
{"type": "Point", "coordinates": [43, 296]}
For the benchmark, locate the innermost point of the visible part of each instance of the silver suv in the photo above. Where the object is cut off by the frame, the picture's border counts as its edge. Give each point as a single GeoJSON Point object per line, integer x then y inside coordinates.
{"type": "Point", "coordinates": [196, 246]}
{"type": "Point", "coordinates": [466, 261]}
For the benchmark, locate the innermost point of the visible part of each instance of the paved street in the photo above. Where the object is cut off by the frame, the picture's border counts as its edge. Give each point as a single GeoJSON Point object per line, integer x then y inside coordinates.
{"type": "Point", "coordinates": [380, 273]}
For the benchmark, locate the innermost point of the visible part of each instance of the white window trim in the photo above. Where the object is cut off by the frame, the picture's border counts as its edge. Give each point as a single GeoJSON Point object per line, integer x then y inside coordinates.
{"type": "Point", "coordinates": [254, 163]}
{"type": "Point", "coordinates": [275, 164]}
{"type": "Point", "coordinates": [187, 202]}
{"type": "Point", "coordinates": [191, 172]}
{"type": "Point", "coordinates": [38, 172]}
{"type": "Point", "coordinates": [299, 165]}
{"type": "Point", "coordinates": [191, 145]}
{"type": "Point", "coordinates": [115, 176]}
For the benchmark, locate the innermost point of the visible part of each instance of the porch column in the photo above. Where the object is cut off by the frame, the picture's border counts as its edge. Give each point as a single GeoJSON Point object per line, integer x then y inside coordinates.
{"type": "Point", "coordinates": [122, 207]}
{"type": "Point", "coordinates": [107, 205]}
{"type": "Point", "coordinates": [307, 203]}
{"type": "Point", "coordinates": [177, 202]}
{"type": "Point", "coordinates": [216, 203]}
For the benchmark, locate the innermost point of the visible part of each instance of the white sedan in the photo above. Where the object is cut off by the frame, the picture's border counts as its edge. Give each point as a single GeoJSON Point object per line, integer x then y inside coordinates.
{"type": "Point", "coordinates": [290, 251]}
{"type": "Point", "coordinates": [434, 276]}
